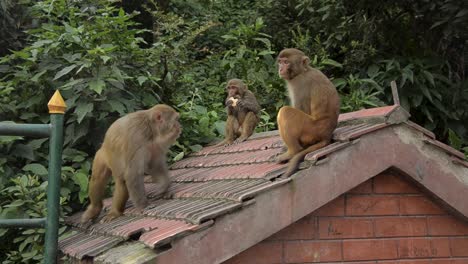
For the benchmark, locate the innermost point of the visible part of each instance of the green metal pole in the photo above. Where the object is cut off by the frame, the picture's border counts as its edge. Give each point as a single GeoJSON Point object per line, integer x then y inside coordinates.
{"type": "Point", "coordinates": [53, 189]}
{"type": "Point", "coordinates": [56, 109]}
{"type": "Point", "coordinates": [27, 130]}
{"type": "Point", "coordinates": [31, 223]}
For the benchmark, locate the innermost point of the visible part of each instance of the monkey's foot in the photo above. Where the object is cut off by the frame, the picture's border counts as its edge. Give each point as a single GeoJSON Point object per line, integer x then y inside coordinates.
{"type": "Point", "coordinates": [224, 143]}
{"type": "Point", "coordinates": [110, 216]}
{"type": "Point", "coordinates": [90, 213]}
{"type": "Point", "coordinates": [283, 158]}
{"type": "Point", "coordinates": [240, 140]}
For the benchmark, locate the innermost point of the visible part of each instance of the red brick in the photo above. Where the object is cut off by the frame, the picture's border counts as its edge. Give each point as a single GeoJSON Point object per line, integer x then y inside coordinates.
{"type": "Point", "coordinates": [400, 226]}
{"type": "Point", "coordinates": [302, 229]}
{"type": "Point", "coordinates": [459, 247]}
{"type": "Point", "coordinates": [446, 226]}
{"type": "Point", "coordinates": [440, 247]}
{"type": "Point", "coordinates": [332, 228]}
{"type": "Point", "coordinates": [416, 261]}
{"type": "Point", "coordinates": [365, 187]}
{"type": "Point", "coordinates": [419, 205]}
{"type": "Point", "coordinates": [389, 182]}
{"type": "Point", "coordinates": [460, 261]}
{"type": "Point", "coordinates": [333, 208]}
{"type": "Point", "coordinates": [372, 205]}
{"type": "Point", "coordinates": [357, 262]}
{"type": "Point", "coordinates": [423, 248]}
{"type": "Point", "coordinates": [373, 249]}
{"type": "Point", "coordinates": [309, 251]}
{"type": "Point", "coordinates": [262, 253]}
{"type": "Point", "coordinates": [441, 261]}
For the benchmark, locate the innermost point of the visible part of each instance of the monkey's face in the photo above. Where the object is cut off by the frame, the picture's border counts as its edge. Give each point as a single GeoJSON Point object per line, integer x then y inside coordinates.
{"type": "Point", "coordinates": [284, 68]}
{"type": "Point", "coordinates": [167, 123]}
{"type": "Point", "coordinates": [232, 89]}
{"type": "Point", "coordinates": [291, 63]}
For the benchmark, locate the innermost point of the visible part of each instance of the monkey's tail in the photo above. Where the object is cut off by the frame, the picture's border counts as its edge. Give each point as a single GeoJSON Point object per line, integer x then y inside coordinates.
{"type": "Point", "coordinates": [293, 165]}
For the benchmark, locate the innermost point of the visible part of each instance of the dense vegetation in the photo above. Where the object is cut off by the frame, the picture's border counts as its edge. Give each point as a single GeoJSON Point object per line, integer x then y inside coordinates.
{"type": "Point", "coordinates": [109, 58]}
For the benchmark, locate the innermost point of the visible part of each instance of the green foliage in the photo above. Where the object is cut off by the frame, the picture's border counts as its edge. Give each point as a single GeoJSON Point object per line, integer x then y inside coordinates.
{"type": "Point", "coordinates": [25, 198]}
{"type": "Point", "coordinates": [13, 20]}
{"type": "Point", "coordinates": [457, 142]}
{"type": "Point", "coordinates": [357, 93]}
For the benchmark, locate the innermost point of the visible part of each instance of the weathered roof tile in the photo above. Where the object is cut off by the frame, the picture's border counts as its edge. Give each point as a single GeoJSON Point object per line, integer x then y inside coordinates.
{"type": "Point", "coordinates": [215, 181]}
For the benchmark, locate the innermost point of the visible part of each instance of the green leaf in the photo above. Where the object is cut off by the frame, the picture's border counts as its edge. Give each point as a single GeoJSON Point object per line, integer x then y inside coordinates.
{"type": "Point", "coordinates": [264, 41]}
{"type": "Point", "coordinates": [82, 180]}
{"type": "Point", "coordinates": [200, 109]}
{"type": "Point", "coordinates": [105, 58]}
{"type": "Point", "coordinates": [71, 84]}
{"type": "Point", "coordinates": [196, 148]}
{"type": "Point", "coordinates": [35, 78]}
{"type": "Point", "coordinates": [373, 70]}
{"type": "Point", "coordinates": [36, 168]}
{"type": "Point", "coordinates": [429, 77]}
{"type": "Point", "coordinates": [339, 82]}
{"type": "Point", "coordinates": [41, 43]}
{"type": "Point", "coordinates": [439, 23]}
{"type": "Point", "coordinates": [408, 74]}
{"type": "Point", "coordinates": [16, 203]}
{"type": "Point", "coordinates": [417, 99]}
{"type": "Point", "coordinates": [142, 79]}
{"type": "Point", "coordinates": [179, 156]}
{"type": "Point", "coordinates": [64, 71]}
{"type": "Point", "coordinates": [82, 110]}
{"type": "Point", "coordinates": [97, 85]}
{"type": "Point", "coordinates": [461, 13]}
{"type": "Point", "coordinates": [117, 106]}
{"type": "Point", "coordinates": [426, 92]}
{"type": "Point", "coordinates": [23, 151]}
{"type": "Point", "coordinates": [454, 139]}
{"type": "Point", "coordinates": [332, 63]}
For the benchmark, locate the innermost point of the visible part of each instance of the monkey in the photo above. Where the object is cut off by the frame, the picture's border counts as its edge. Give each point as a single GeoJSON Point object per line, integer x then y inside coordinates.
{"type": "Point", "coordinates": [134, 144]}
{"type": "Point", "coordinates": [243, 113]}
{"type": "Point", "coordinates": [309, 123]}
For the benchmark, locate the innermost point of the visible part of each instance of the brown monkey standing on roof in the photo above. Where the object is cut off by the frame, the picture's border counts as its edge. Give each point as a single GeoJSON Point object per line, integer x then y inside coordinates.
{"type": "Point", "coordinates": [243, 110]}
{"type": "Point", "coordinates": [309, 124]}
{"type": "Point", "coordinates": [134, 144]}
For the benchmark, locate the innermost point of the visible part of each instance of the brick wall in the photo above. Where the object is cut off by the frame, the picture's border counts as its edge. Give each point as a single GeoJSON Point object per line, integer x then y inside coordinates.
{"type": "Point", "coordinates": [387, 219]}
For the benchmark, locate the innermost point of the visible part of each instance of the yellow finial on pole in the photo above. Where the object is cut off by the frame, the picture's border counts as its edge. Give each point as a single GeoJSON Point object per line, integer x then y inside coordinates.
{"type": "Point", "coordinates": [56, 104]}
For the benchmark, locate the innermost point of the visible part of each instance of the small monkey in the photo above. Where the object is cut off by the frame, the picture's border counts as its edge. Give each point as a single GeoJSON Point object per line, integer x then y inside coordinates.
{"type": "Point", "coordinates": [309, 124]}
{"type": "Point", "coordinates": [243, 110]}
{"type": "Point", "coordinates": [134, 144]}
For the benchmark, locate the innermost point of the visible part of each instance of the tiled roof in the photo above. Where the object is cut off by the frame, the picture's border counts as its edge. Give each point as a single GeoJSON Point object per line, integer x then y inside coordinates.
{"type": "Point", "coordinates": [209, 185]}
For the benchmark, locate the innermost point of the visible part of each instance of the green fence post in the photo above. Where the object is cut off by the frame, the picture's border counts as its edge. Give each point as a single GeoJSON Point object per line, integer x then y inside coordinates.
{"type": "Point", "coordinates": [57, 110]}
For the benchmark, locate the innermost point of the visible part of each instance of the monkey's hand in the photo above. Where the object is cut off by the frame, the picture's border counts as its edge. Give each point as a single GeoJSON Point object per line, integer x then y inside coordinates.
{"type": "Point", "coordinates": [232, 102]}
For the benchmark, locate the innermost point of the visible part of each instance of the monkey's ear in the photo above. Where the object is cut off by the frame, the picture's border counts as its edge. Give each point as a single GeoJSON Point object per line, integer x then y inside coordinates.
{"type": "Point", "coordinates": [305, 61]}
{"type": "Point", "coordinates": [157, 116]}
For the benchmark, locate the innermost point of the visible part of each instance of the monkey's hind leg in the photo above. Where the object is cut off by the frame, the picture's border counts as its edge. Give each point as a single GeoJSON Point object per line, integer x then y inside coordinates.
{"type": "Point", "coordinates": [232, 126]}
{"type": "Point", "coordinates": [248, 127]}
{"type": "Point", "coordinates": [119, 199]}
{"type": "Point", "coordinates": [290, 126]}
{"type": "Point", "coordinates": [97, 186]}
